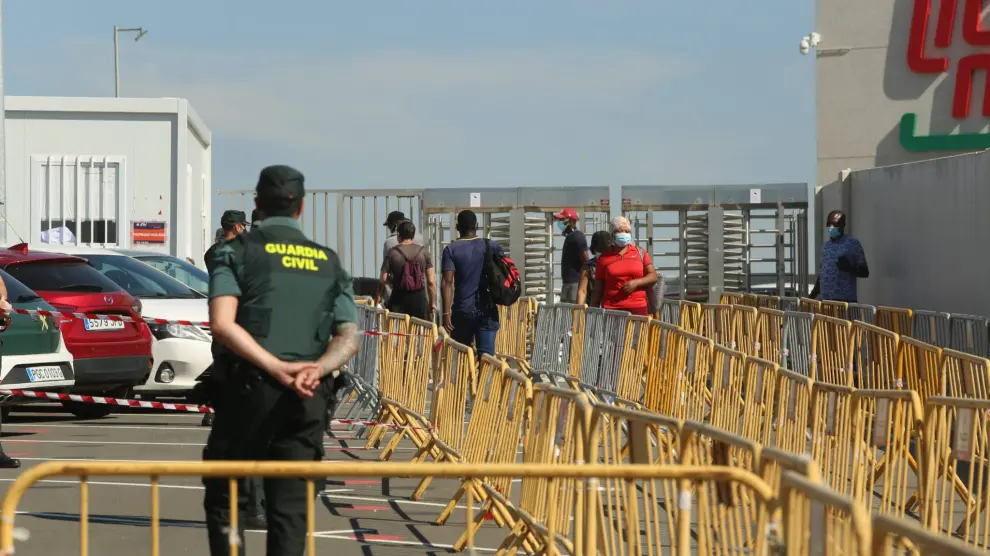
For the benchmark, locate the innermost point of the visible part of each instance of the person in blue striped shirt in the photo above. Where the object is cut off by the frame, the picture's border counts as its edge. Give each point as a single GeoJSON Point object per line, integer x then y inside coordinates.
{"type": "Point", "coordinates": [843, 263]}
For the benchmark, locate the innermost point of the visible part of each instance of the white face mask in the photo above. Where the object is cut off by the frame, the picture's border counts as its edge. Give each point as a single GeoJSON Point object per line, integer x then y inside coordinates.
{"type": "Point", "coordinates": [623, 238]}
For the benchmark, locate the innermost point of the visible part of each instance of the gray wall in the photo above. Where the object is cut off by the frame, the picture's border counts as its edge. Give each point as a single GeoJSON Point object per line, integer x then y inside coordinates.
{"type": "Point", "coordinates": [864, 85]}
{"type": "Point", "coordinates": [925, 230]}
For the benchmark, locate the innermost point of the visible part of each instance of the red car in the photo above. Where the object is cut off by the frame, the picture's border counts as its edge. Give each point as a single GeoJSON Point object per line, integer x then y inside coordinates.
{"type": "Point", "coordinates": [110, 356]}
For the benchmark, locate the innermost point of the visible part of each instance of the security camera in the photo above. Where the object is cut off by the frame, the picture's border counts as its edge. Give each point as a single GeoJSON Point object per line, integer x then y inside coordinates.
{"type": "Point", "coordinates": [815, 39]}
{"type": "Point", "coordinates": [805, 45]}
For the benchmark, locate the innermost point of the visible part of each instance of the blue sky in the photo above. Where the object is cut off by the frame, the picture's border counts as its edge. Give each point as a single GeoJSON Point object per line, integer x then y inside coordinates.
{"type": "Point", "coordinates": [444, 93]}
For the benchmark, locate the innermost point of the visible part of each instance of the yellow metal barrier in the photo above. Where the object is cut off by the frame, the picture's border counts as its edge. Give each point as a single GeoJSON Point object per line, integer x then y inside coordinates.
{"type": "Point", "coordinates": [965, 375]}
{"type": "Point", "coordinates": [409, 372]}
{"type": "Point", "coordinates": [518, 324]}
{"type": "Point", "coordinates": [875, 352]}
{"type": "Point", "coordinates": [678, 385]}
{"type": "Point", "coordinates": [955, 450]}
{"type": "Point", "coordinates": [728, 405]}
{"type": "Point", "coordinates": [919, 368]}
{"type": "Point", "coordinates": [690, 316]}
{"type": "Point", "coordinates": [745, 332]}
{"type": "Point", "coordinates": [555, 434]}
{"type": "Point", "coordinates": [899, 321]}
{"type": "Point", "coordinates": [730, 298]}
{"type": "Point", "coordinates": [493, 431]}
{"type": "Point", "coordinates": [770, 335]}
{"type": "Point", "coordinates": [635, 354]}
{"type": "Point", "coordinates": [454, 384]}
{"type": "Point", "coordinates": [835, 309]}
{"type": "Point", "coordinates": [832, 340]}
{"type": "Point", "coordinates": [717, 325]}
{"type": "Point", "coordinates": [587, 474]}
{"type": "Point", "coordinates": [817, 520]}
{"type": "Point", "coordinates": [813, 306]}
{"type": "Point", "coordinates": [768, 302]}
{"type": "Point", "coordinates": [896, 536]}
{"type": "Point", "coordinates": [794, 406]}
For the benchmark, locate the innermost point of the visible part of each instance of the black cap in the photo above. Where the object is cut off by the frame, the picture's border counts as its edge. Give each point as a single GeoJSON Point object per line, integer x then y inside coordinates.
{"type": "Point", "coordinates": [393, 217]}
{"type": "Point", "coordinates": [281, 182]}
{"type": "Point", "coordinates": [231, 217]}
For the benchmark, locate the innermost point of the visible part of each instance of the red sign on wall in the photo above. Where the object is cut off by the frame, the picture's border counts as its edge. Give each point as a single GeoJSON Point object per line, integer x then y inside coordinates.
{"type": "Point", "coordinates": [149, 232]}
{"type": "Point", "coordinates": [920, 61]}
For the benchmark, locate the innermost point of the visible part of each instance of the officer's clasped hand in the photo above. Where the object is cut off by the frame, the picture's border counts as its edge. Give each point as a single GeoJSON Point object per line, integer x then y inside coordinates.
{"type": "Point", "coordinates": [844, 264]}
{"type": "Point", "coordinates": [297, 376]}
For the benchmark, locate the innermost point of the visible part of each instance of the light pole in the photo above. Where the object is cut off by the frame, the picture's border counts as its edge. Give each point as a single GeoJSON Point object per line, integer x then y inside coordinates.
{"type": "Point", "coordinates": [141, 31]}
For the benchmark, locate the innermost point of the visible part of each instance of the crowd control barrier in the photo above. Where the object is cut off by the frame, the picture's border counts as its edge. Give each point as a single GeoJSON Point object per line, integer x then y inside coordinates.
{"type": "Point", "coordinates": [580, 533]}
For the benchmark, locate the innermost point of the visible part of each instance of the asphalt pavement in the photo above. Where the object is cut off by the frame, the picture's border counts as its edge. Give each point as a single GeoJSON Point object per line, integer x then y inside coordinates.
{"type": "Point", "coordinates": [353, 516]}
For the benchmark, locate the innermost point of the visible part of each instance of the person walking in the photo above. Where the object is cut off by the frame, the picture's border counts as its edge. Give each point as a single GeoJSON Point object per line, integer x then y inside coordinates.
{"type": "Point", "coordinates": [284, 308]}
{"type": "Point", "coordinates": [843, 263]}
{"type": "Point", "coordinates": [623, 273]}
{"type": "Point", "coordinates": [469, 315]}
{"type": "Point", "coordinates": [573, 254]}
{"type": "Point", "coordinates": [600, 242]}
{"type": "Point", "coordinates": [410, 275]}
{"type": "Point", "coordinates": [392, 224]}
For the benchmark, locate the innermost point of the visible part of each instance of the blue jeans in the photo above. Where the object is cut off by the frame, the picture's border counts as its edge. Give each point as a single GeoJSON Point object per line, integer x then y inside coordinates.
{"type": "Point", "coordinates": [477, 329]}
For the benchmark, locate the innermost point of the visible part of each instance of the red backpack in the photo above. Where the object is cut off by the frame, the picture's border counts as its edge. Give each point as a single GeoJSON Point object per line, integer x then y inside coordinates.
{"type": "Point", "coordinates": [412, 273]}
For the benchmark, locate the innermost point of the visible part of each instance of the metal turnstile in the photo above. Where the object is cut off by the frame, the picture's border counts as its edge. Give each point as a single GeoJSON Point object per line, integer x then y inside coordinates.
{"type": "Point", "coordinates": [707, 240]}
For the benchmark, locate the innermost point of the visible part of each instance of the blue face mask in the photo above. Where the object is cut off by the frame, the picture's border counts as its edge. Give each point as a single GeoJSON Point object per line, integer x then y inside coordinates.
{"type": "Point", "coordinates": [623, 238]}
{"type": "Point", "coordinates": [561, 226]}
{"type": "Point", "coordinates": [834, 233]}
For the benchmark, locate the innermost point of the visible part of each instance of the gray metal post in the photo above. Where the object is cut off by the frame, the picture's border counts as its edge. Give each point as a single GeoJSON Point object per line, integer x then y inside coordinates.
{"type": "Point", "coordinates": [3, 138]}
{"type": "Point", "coordinates": [116, 63]}
{"type": "Point", "coordinates": [517, 246]}
{"type": "Point", "coordinates": [716, 253]}
{"type": "Point", "coordinates": [781, 225]}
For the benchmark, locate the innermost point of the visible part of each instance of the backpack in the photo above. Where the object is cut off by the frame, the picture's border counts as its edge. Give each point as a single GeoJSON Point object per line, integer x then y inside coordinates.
{"type": "Point", "coordinates": [412, 273]}
{"type": "Point", "coordinates": [501, 277]}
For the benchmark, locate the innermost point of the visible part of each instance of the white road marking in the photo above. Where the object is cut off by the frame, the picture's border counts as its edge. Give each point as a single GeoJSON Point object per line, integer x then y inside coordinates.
{"type": "Point", "coordinates": [390, 500]}
{"type": "Point", "coordinates": [404, 543]}
{"type": "Point", "coordinates": [152, 426]}
{"type": "Point", "coordinates": [148, 485]}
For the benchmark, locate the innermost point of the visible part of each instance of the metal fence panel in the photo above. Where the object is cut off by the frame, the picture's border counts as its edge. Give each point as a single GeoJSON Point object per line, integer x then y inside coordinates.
{"type": "Point", "coordinates": [797, 342]}
{"type": "Point", "coordinates": [932, 328]}
{"type": "Point", "coordinates": [970, 334]}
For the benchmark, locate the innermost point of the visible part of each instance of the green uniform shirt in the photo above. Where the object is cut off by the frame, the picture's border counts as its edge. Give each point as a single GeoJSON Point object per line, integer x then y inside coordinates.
{"type": "Point", "coordinates": [227, 266]}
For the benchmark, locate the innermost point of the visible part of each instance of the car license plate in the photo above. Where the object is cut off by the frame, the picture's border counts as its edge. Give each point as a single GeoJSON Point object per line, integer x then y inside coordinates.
{"type": "Point", "coordinates": [44, 374]}
{"type": "Point", "coordinates": [101, 325]}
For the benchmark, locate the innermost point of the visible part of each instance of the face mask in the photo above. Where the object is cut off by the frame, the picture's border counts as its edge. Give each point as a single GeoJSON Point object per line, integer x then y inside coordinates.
{"type": "Point", "coordinates": [561, 226]}
{"type": "Point", "coordinates": [623, 238]}
{"type": "Point", "coordinates": [834, 233]}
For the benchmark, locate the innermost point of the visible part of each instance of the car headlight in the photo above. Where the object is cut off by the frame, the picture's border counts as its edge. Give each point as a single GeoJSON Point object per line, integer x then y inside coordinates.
{"type": "Point", "coordinates": [179, 332]}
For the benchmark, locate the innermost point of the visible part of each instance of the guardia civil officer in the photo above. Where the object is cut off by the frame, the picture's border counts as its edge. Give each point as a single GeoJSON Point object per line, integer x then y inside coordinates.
{"type": "Point", "coordinates": [284, 307]}
{"type": "Point", "coordinates": [232, 224]}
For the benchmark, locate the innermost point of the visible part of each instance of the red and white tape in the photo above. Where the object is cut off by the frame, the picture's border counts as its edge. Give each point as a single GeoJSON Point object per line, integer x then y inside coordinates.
{"type": "Point", "coordinates": [180, 407]}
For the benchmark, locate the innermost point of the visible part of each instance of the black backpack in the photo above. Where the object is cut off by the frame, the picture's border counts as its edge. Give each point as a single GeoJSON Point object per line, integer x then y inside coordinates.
{"type": "Point", "coordinates": [502, 277]}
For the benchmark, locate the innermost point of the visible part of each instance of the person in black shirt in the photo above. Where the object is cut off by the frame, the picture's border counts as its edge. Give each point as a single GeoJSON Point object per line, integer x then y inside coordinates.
{"type": "Point", "coordinates": [573, 255]}
{"type": "Point", "coordinates": [600, 242]}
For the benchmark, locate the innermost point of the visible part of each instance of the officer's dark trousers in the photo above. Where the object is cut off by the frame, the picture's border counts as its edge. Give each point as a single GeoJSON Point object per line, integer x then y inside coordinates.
{"type": "Point", "coordinates": [261, 420]}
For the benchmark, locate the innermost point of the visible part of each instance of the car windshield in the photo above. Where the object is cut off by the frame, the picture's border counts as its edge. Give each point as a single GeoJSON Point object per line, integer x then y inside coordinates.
{"type": "Point", "coordinates": [16, 291]}
{"type": "Point", "coordinates": [190, 275]}
{"type": "Point", "coordinates": [139, 279]}
{"type": "Point", "coordinates": [61, 276]}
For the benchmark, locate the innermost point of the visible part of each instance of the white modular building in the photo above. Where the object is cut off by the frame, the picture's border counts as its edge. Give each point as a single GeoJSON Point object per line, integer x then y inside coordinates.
{"type": "Point", "coordinates": [109, 172]}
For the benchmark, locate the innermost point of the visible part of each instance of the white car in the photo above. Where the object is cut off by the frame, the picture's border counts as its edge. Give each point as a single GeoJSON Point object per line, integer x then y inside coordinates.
{"type": "Point", "coordinates": [181, 353]}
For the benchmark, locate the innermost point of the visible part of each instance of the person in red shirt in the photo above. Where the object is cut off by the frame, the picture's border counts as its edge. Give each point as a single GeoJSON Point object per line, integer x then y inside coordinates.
{"type": "Point", "coordinates": [623, 273]}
